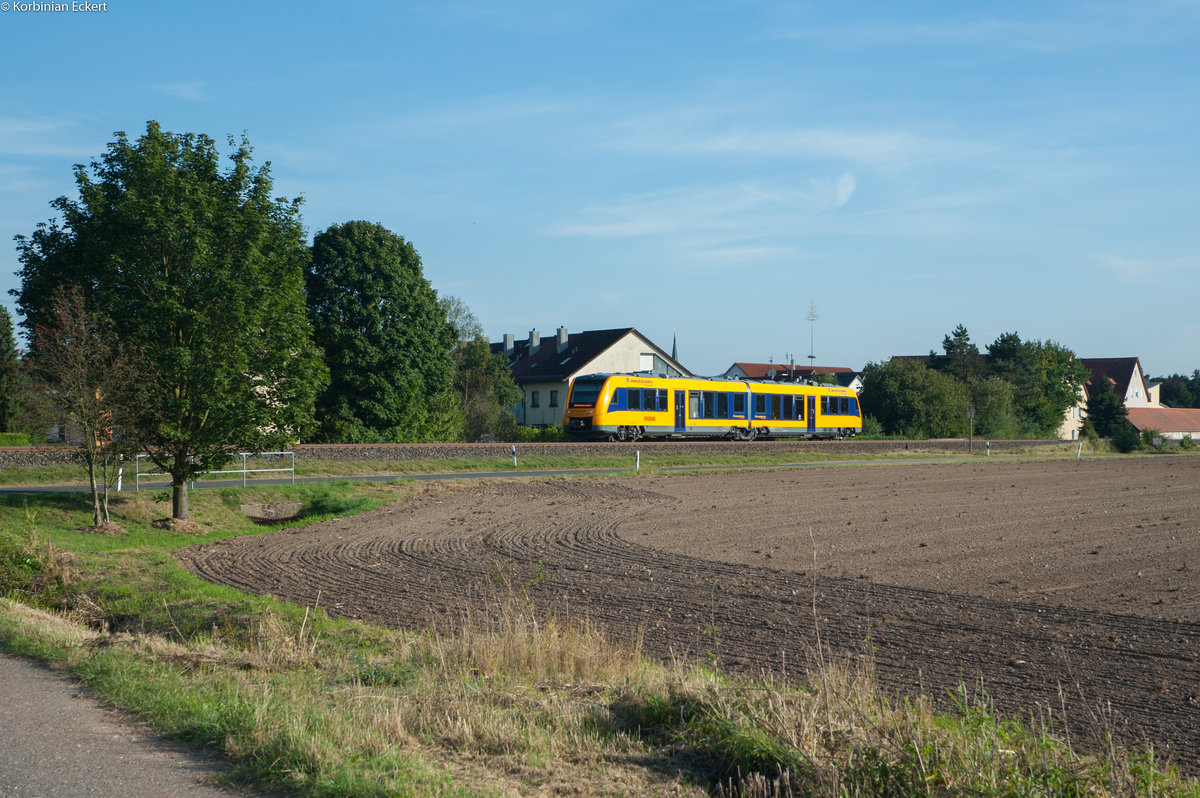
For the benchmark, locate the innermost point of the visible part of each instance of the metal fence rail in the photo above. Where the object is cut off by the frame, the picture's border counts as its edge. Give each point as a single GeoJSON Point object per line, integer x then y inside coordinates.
{"type": "Point", "coordinates": [244, 470]}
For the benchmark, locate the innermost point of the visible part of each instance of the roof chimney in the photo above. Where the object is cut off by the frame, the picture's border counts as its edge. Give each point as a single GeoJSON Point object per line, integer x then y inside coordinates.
{"type": "Point", "coordinates": [562, 340]}
{"type": "Point", "coordinates": [509, 346]}
{"type": "Point", "coordinates": [535, 341]}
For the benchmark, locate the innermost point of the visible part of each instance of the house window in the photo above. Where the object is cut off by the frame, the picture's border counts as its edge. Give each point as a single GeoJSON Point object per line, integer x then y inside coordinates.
{"type": "Point", "coordinates": [534, 399]}
{"type": "Point", "coordinates": [554, 398]}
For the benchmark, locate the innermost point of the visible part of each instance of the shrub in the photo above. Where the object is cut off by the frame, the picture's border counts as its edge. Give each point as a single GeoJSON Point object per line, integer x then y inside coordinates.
{"type": "Point", "coordinates": [540, 434]}
{"type": "Point", "coordinates": [1148, 436]}
{"type": "Point", "coordinates": [871, 427]}
{"type": "Point", "coordinates": [1186, 443]}
{"type": "Point", "coordinates": [14, 439]}
{"type": "Point", "coordinates": [1125, 438]}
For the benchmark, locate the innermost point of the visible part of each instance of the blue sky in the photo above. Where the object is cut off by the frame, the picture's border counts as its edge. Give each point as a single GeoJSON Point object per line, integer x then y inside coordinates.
{"type": "Point", "coordinates": [705, 169]}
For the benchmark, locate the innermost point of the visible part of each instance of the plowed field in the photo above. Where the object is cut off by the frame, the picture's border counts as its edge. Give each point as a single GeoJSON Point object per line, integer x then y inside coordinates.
{"type": "Point", "coordinates": [1070, 586]}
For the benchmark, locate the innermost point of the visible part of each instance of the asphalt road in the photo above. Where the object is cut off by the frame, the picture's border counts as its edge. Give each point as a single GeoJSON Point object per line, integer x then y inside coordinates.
{"type": "Point", "coordinates": [56, 741]}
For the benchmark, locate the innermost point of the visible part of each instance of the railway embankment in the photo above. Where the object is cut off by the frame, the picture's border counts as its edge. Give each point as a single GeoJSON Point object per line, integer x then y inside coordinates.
{"type": "Point", "coordinates": [411, 452]}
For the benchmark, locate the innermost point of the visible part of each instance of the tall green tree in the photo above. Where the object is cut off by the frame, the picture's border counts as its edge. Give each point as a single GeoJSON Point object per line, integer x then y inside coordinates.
{"type": "Point", "coordinates": [908, 398]}
{"type": "Point", "coordinates": [386, 340]}
{"type": "Point", "coordinates": [199, 269]}
{"type": "Point", "coordinates": [995, 413]}
{"type": "Point", "coordinates": [1106, 412]}
{"type": "Point", "coordinates": [482, 382]}
{"type": "Point", "coordinates": [466, 325]}
{"type": "Point", "coordinates": [10, 373]}
{"type": "Point", "coordinates": [1178, 390]}
{"type": "Point", "coordinates": [1046, 379]}
{"type": "Point", "coordinates": [961, 358]}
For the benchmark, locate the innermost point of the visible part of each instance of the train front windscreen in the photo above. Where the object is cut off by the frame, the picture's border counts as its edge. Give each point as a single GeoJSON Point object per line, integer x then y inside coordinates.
{"type": "Point", "coordinates": [585, 392]}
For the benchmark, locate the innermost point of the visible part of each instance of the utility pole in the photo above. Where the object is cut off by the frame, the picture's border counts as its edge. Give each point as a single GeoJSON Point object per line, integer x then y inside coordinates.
{"type": "Point", "coordinates": [812, 320]}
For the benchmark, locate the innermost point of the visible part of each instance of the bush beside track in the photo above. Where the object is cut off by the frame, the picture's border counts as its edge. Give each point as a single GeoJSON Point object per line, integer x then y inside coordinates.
{"type": "Point", "coordinates": [407, 452]}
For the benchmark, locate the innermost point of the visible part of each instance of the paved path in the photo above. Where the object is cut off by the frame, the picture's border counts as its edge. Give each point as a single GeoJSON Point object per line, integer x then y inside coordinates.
{"type": "Point", "coordinates": [56, 741]}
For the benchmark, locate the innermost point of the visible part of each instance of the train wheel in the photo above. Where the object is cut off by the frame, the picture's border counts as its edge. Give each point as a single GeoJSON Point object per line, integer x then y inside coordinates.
{"type": "Point", "coordinates": [622, 434]}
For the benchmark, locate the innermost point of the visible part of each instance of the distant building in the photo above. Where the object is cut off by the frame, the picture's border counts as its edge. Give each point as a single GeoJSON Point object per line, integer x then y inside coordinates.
{"type": "Point", "coordinates": [1173, 423]}
{"type": "Point", "coordinates": [543, 368]}
{"type": "Point", "coordinates": [1126, 377]}
{"type": "Point", "coordinates": [783, 372]}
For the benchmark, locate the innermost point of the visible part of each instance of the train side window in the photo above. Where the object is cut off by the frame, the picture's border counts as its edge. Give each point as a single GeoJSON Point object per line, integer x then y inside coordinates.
{"type": "Point", "coordinates": [694, 404]}
{"type": "Point", "coordinates": [789, 408]}
{"type": "Point", "coordinates": [760, 404]}
{"type": "Point", "coordinates": [824, 405]}
{"type": "Point", "coordinates": [853, 406]}
{"type": "Point", "coordinates": [739, 404]}
{"type": "Point", "coordinates": [618, 399]}
{"type": "Point", "coordinates": [635, 399]}
{"type": "Point", "coordinates": [776, 407]}
{"type": "Point", "coordinates": [710, 404]}
{"type": "Point", "coordinates": [722, 405]}
{"type": "Point", "coordinates": [800, 407]}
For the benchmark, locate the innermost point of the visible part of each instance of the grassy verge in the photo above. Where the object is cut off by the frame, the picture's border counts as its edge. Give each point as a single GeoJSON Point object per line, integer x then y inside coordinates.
{"type": "Point", "coordinates": [505, 702]}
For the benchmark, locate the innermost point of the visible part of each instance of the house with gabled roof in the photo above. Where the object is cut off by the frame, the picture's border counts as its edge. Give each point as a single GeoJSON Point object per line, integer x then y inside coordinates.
{"type": "Point", "coordinates": [1123, 374]}
{"type": "Point", "coordinates": [784, 372]}
{"type": "Point", "coordinates": [543, 368]}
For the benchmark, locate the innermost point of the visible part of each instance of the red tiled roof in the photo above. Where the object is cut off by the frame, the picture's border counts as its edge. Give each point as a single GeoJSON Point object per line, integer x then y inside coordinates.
{"type": "Point", "coordinates": [1166, 419]}
{"type": "Point", "coordinates": [761, 371]}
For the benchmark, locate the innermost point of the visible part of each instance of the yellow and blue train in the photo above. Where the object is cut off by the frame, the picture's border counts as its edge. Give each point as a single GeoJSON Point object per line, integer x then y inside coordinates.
{"type": "Point", "coordinates": [623, 407]}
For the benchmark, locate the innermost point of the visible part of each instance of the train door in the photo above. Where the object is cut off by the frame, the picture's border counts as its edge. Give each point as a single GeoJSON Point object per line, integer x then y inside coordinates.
{"type": "Point", "coordinates": [812, 414]}
{"type": "Point", "coordinates": [680, 410]}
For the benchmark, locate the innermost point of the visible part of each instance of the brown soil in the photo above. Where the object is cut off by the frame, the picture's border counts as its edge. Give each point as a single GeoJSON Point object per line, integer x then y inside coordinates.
{"type": "Point", "coordinates": [1065, 588]}
{"type": "Point", "coordinates": [179, 525]}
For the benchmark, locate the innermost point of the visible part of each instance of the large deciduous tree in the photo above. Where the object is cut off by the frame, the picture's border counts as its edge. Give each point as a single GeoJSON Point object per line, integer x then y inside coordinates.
{"type": "Point", "coordinates": [199, 269]}
{"type": "Point", "coordinates": [908, 398]}
{"type": "Point", "coordinates": [386, 340]}
{"type": "Point", "coordinates": [1046, 378]}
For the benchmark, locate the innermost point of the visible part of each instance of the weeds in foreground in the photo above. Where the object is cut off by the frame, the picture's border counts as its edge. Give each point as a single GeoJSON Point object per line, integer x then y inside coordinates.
{"type": "Point", "coordinates": [30, 564]}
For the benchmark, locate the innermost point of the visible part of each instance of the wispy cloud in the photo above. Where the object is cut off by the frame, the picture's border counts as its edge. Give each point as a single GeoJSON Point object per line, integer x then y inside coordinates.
{"type": "Point", "coordinates": [745, 209]}
{"type": "Point", "coordinates": [1143, 268]}
{"type": "Point", "coordinates": [190, 90]}
{"type": "Point", "coordinates": [39, 136]}
{"type": "Point", "coordinates": [722, 132]}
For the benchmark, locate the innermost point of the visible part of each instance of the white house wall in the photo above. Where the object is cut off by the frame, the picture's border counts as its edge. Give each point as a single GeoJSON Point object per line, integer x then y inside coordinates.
{"type": "Point", "coordinates": [1136, 394]}
{"type": "Point", "coordinates": [622, 357]}
{"type": "Point", "coordinates": [551, 400]}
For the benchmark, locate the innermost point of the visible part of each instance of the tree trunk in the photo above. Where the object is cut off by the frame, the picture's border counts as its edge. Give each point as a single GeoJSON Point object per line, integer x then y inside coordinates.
{"type": "Point", "coordinates": [96, 514]}
{"type": "Point", "coordinates": [179, 500]}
